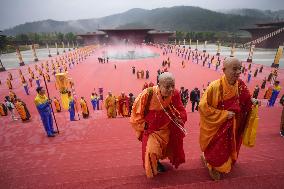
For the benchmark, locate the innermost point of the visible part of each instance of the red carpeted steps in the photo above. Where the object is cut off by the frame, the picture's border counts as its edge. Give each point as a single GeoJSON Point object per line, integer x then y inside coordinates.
{"type": "Point", "coordinates": [108, 156]}
{"type": "Point", "coordinates": [104, 153]}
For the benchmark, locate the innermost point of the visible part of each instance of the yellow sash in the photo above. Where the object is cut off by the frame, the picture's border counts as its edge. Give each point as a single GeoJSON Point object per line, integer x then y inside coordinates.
{"type": "Point", "coordinates": [251, 127]}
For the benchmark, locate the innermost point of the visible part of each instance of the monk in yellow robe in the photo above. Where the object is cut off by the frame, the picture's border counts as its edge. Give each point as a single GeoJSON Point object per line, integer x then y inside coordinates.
{"type": "Point", "coordinates": [158, 118]}
{"type": "Point", "coordinates": [22, 110]}
{"type": "Point", "coordinates": [224, 110]}
{"type": "Point", "coordinates": [123, 105]}
{"type": "Point", "coordinates": [84, 108]}
{"type": "Point", "coordinates": [110, 105]}
{"type": "Point", "coordinates": [57, 104]}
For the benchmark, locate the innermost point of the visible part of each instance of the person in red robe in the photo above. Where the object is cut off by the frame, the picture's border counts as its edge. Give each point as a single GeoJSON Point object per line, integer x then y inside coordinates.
{"type": "Point", "coordinates": [224, 110]}
{"type": "Point", "coordinates": [158, 118]}
{"type": "Point", "coordinates": [123, 105]}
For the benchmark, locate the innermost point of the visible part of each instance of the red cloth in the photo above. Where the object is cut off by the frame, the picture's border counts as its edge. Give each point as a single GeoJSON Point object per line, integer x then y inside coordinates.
{"type": "Point", "coordinates": [222, 145]}
{"type": "Point", "coordinates": [157, 119]}
{"type": "Point", "coordinates": [121, 102]}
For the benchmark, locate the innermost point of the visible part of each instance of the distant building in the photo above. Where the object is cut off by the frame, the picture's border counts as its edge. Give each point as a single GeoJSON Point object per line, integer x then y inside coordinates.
{"type": "Point", "coordinates": [264, 29]}
{"type": "Point", "coordinates": [126, 36]}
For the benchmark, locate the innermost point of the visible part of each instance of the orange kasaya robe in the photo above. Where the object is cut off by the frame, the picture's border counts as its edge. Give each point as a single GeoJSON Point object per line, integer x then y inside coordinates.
{"type": "Point", "coordinates": [110, 105]}
{"type": "Point", "coordinates": [57, 105]}
{"type": "Point", "coordinates": [220, 138]}
{"type": "Point", "coordinates": [84, 108]}
{"type": "Point", "coordinates": [160, 137]}
{"type": "Point", "coordinates": [268, 93]}
{"type": "Point", "coordinates": [22, 110]}
{"type": "Point", "coordinates": [123, 105]}
{"type": "Point", "coordinates": [3, 110]}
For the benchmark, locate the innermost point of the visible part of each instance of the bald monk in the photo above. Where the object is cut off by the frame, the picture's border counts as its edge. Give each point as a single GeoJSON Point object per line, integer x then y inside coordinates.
{"type": "Point", "coordinates": [158, 118]}
{"type": "Point", "coordinates": [110, 104]}
{"type": "Point", "coordinates": [224, 109]}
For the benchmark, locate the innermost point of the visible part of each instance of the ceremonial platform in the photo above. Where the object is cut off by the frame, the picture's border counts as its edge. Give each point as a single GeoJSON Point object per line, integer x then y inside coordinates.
{"type": "Point", "coordinates": [104, 153]}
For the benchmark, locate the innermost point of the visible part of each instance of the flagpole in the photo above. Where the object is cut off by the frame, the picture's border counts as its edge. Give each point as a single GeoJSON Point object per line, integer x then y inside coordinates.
{"type": "Point", "coordinates": [51, 104]}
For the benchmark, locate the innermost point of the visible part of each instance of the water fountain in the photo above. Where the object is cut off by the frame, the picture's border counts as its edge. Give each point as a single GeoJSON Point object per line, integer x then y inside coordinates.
{"type": "Point", "coordinates": [130, 53]}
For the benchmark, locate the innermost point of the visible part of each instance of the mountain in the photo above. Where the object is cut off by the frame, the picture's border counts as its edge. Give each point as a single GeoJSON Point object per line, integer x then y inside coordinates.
{"type": "Point", "coordinates": [181, 18]}
{"type": "Point", "coordinates": [274, 15]}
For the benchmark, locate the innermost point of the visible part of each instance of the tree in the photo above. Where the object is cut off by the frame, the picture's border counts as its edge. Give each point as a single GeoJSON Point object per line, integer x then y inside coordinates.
{"type": "Point", "coordinates": [60, 37]}
{"type": "Point", "coordinates": [70, 37]}
{"type": "Point", "coordinates": [3, 42]}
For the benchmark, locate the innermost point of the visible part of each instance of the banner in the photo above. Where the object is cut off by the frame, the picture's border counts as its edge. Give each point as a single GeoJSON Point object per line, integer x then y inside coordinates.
{"type": "Point", "coordinates": [278, 55]}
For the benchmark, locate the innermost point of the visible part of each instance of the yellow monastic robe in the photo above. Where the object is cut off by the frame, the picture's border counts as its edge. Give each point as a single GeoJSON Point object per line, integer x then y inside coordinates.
{"type": "Point", "coordinates": [57, 105]}
{"type": "Point", "coordinates": [212, 118]}
{"type": "Point", "coordinates": [157, 141]}
{"type": "Point", "coordinates": [110, 104]}
{"type": "Point", "coordinates": [2, 113]}
{"type": "Point", "coordinates": [84, 107]}
{"type": "Point", "coordinates": [21, 110]}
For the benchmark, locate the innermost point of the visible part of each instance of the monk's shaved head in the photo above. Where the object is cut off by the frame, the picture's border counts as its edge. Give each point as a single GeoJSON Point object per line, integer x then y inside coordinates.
{"type": "Point", "coordinates": [231, 60]}
{"type": "Point", "coordinates": [232, 69]}
{"type": "Point", "coordinates": [166, 76]}
{"type": "Point", "coordinates": [166, 84]}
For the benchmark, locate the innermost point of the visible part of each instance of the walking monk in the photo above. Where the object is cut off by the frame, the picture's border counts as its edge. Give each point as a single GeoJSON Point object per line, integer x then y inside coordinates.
{"type": "Point", "coordinates": [158, 118]}
{"type": "Point", "coordinates": [123, 105]}
{"type": "Point", "coordinates": [84, 108]}
{"type": "Point", "coordinates": [110, 104]}
{"type": "Point", "coordinates": [223, 113]}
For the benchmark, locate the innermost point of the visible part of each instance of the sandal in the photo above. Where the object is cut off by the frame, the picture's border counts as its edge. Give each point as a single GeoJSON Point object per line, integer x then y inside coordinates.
{"type": "Point", "coordinates": [214, 174]}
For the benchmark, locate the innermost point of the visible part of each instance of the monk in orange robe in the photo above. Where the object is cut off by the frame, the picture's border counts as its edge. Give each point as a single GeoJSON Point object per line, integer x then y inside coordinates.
{"type": "Point", "coordinates": [123, 105]}
{"type": "Point", "coordinates": [224, 109]}
{"type": "Point", "coordinates": [84, 108]}
{"type": "Point", "coordinates": [22, 110]}
{"type": "Point", "coordinates": [158, 118]}
{"type": "Point", "coordinates": [3, 110]}
{"type": "Point", "coordinates": [57, 104]}
{"type": "Point", "coordinates": [110, 105]}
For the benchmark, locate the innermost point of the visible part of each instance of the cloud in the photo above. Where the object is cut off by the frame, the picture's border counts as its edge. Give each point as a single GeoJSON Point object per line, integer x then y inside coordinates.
{"type": "Point", "coordinates": [14, 12]}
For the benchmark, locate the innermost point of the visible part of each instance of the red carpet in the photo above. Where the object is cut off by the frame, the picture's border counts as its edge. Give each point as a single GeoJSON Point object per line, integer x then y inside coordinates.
{"type": "Point", "coordinates": [103, 153]}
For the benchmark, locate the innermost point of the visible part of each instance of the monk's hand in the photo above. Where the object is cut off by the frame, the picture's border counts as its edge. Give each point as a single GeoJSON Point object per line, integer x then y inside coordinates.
{"type": "Point", "coordinates": [254, 101]}
{"type": "Point", "coordinates": [230, 115]}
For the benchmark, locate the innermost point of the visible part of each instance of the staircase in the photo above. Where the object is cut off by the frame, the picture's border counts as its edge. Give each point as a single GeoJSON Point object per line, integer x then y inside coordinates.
{"type": "Point", "coordinates": [263, 38]}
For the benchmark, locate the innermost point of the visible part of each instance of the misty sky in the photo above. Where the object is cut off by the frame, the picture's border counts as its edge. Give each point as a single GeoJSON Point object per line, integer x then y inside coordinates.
{"type": "Point", "coordinates": [14, 12]}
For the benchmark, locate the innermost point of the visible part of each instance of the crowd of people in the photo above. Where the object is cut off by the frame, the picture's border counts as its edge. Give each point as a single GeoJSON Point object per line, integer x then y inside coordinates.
{"type": "Point", "coordinates": [158, 114]}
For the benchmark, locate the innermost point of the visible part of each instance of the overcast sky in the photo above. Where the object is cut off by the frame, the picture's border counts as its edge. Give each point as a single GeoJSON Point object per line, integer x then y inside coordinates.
{"type": "Point", "coordinates": [14, 12]}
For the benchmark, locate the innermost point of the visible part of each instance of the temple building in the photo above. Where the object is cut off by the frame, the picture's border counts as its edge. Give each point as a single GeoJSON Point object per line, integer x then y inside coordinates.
{"type": "Point", "coordinates": [267, 35]}
{"type": "Point", "coordinates": [125, 36]}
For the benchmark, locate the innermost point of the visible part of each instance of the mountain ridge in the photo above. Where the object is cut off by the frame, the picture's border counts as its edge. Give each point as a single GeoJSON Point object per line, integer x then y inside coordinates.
{"type": "Point", "coordinates": [177, 18]}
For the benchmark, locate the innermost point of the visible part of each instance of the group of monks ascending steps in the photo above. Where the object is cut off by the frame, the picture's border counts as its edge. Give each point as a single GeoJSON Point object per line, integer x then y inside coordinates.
{"type": "Point", "coordinates": [158, 118]}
